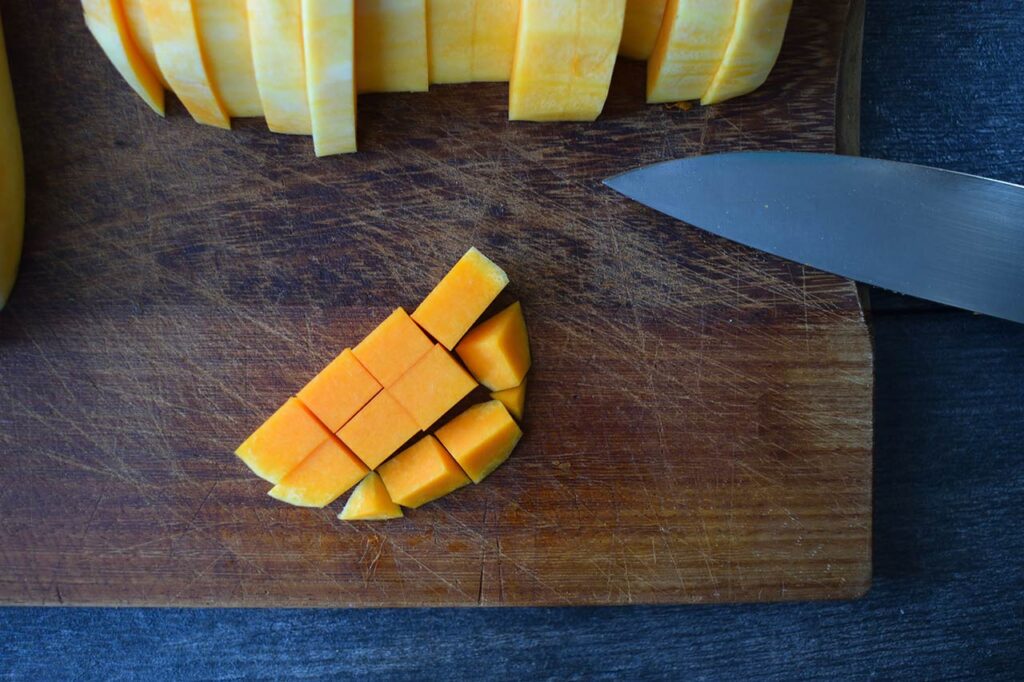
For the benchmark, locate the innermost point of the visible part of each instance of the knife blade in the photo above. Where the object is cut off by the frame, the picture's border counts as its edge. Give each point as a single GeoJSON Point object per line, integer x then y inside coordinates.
{"type": "Point", "coordinates": [944, 236]}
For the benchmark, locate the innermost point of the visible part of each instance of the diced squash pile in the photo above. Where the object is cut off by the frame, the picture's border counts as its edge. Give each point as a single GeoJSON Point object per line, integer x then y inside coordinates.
{"type": "Point", "coordinates": [386, 394]}
{"type": "Point", "coordinates": [300, 63]}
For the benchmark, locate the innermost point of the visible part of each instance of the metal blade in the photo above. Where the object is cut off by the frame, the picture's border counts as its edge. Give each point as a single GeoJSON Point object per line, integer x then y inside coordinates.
{"type": "Point", "coordinates": [947, 237]}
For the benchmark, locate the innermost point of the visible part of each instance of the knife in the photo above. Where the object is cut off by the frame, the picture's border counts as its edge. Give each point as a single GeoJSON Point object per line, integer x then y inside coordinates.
{"type": "Point", "coordinates": [940, 235]}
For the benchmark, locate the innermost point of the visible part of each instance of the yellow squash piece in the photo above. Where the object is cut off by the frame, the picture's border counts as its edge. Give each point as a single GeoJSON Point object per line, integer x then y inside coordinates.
{"type": "Point", "coordinates": [460, 298]}
{"type": "Point", "coordinates": [379, 429]}
{"type": "Point", "coordinates": [497, 351]}
{"type": "Point", "coordinates": [138, 27]}
{"type": "Point", "coordinates": [275, 30]}
{"type": "Point", "coordinates": [339, 391]}
{"type": "Point", "coordinates": [172, 26]}
{"type": "Point", "coordinates": [328, 32]}
{"type": "Point", "coordinates": [421, 473]}
{"type": "Point", "coordinates": [224, 37]}
{"type": "Point", "coordinates": [12, 182]}
{"type": "Point", "coordinates": [565, 53]}
{"type": "Point", "coordinates": [752, 51]}
{"type": "Point", "coordinates": [690, 47]}
{"type": "Point", "coordinates": [370, 502]}
{"type": "Point", "coordinates": [107, 23]}
{"type": "Point", "coordinates": [393, 347]}
{"type": "Point", "coordinates": [471, 40]}
{"type": "Point", "coordinates": [514, 399]}
{"type": "Point", "coordinates": [283, 441]}
{"type": "Point", "coordinates": [432, 386]}
{"type": "Point", "coordinates": [322, 477]}
{"type": "Point", "coordinates": [391, 46]}
{"type": "Point", "coordinates": [640, 30]}
{"type": "Point", "coordinates": [481, 438]}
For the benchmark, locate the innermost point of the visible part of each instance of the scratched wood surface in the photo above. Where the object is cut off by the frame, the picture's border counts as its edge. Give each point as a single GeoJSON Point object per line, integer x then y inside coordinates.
{"type": "Point", "coordinates": [699, 417]}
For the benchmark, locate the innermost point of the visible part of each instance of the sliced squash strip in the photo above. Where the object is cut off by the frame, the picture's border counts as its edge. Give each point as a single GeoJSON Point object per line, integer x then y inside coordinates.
{"type": "Point", "coordinates": [138, 27]}
{"type": "Point", "coordinates": [471, 40]}
{"type": "Point", "coordinates": [690, 47]}
{"type": "Point", "coordinates": [106, 21]}
{"type": "Point", "coordinates": [275, 29]}
{"type": "Point", "coordinates": [391, 46]}
{"type": "Point", "coordinates": [753, 49]}
{"type": "Point", "coordinates": [172, 26]}
{"type": "Point", "coordinates": [224, 37]}
{"type": "Point", "coordinates": [494, 39]}
{"type": "Point", "coordinates": [640, 30]}
{"type": "Point", "coordinates": [565, 53]}
{"type": "Point", "coordinates": [329, 43]}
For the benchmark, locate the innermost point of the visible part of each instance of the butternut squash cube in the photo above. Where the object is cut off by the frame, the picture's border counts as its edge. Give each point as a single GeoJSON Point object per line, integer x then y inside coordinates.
{"type": "Point", "coordinates": [460, 298]}
{"type": "Point", "coordinates": [107, 23]}
{"type": "Point", "coordinates": [370, 502]}
{"type": "Point", "coordinates": [432, 387]}
{"type": "Point", "coordinates": [328, 31]}
{"type": "Point", "coordinates": [514, 399]}
{"type": "Point", "coordinates": [224, 37]}
{"type": "Point", "coordinates": [640, 30]}
{"type": "Point", "coordinates": [378, 429]}
{"type": "Point", "coordinates": [339, 391]}
{"type": "Point", "coordinates": [689, 49]}
{"type": "Point", "coordinates": [322, 477]}
{"type": "Point", "coordinates": [421, 473]}
{"type": "Point", "coordinates": [138, 28]}
{"type": "Point", "coordinates": [753, 49]}
{"type": "Point", "coordinates": [393, 347]}
{"type": "Point", "coordinates": [471, 40]}
{"type": "Point", "coordinates": [275, 30]}
{"type": "Point", "coordinates": [481, 438]}
{"type": "Point", "coordinates": [565, 53]}
{"type": "Point", "coordinates": [497, 351]}
{"type": "Point", "coordinates": [391, 46]}
{"type": "Point", "coordinates": [172, 27]}
{"type": "Point", "coordinates": [283, 441]}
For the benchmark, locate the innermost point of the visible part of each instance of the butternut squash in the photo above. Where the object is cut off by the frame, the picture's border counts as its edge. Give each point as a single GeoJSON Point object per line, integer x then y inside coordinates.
{"type": "Point", "coordinates": [223, 27]}
{"type": "Point", "coordinates": [690, 47]}
{"type": "Point", "coordinates": [471, 40]}
{"type": "Point", "coordinates": [565, 53]}
{"type": "Point", "coordinates": [275, 32]}
{"type": "Point", "coordinates": [421, 473]}
{"type": "Point", "coordinates": [322, 477]}
{"type": "Point", "coordinates": [339, 391]}
{"type": "Point", "coordinates": [172, 27]}
{"type": "Point", "coordinates": [283, 441]}
{"type": "Point", "coordinates": [328, 32]}
{"type": "Point", "coordinates": [106, 21]}
{"type": "Point", "coordinates": [460, 298]}
{"type": "Point", "coordinates": [378, 430]}
{"type": "Point", "coordinates": [481, 438]}
{"type": "Point", "coordinates": [752, 51]}
{"type": "Point", "coordinates": [12, 182]}
{"type": "Point", "coordinates": [391, 46]}
{"type": "Point", "coordinates": [640, 29]}
{"type": "Point", "coordinates": [138, 29]}
{"type": "Point", "coordinates": [370, 502]}
{"type": "Point", "coordinates": [497, 351]}
{"type": "Point", "coordinates": [432, 386]}
{"type": "Point", "coordinates": [514, 399]}
{"type": "Point", "coordinates": [393, 347]}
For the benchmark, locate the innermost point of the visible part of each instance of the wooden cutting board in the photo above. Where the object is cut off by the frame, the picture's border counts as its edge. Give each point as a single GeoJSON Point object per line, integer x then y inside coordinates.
{"type": "Point", "coordinates": [699, 417]}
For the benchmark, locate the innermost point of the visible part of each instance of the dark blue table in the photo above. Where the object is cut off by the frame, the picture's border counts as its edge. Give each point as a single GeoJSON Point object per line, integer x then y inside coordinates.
{"type": "Point", "coordinates": [943, 85]}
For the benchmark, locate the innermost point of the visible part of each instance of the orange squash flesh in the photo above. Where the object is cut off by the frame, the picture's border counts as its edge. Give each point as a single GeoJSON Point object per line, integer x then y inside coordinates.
{"type": "Point", "coordinates": [460, 298]}
{"type": "Point", "coordinates": [107, 22]}
{"type": "Point", "coordinates": [514, 399]}
{"type": "Point", "coordinates": [322, 477]}
{"type": "Point", "coordinates": [138, 27]}
{"type": "Point", "coordinates": [393, 347]}
{"type": "Point", "coordinates": [481, 438]}
{"type": "Point", "coordinates": [378, 430]}
{"type": "Point", "coordinates": [339, 391]}
{"type": "Point", "coordinates": [421, 473]}
{"type": "Point", "coordinates": [640, 30]}
{"type": "Point", "coordinates": [283, 441]}
{"type": "Point", "coordinates": [497, 351]}
{"type": "Point", "coordinates": [370, 502]}
{"type": "Point", "coordinates": [432, 387]}
{"type": "Point", "coordinates": [690, 47]}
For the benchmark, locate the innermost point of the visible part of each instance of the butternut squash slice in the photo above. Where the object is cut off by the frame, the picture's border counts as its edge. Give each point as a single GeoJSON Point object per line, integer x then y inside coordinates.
{"type": "Point", "coordinates": [322, 477]}
{"type": "Point", "coordinates": [393, 347]}
{"type": "Point", "coordinates": [640, 30]}
{"type": "Point", "coordinates": [497, 351]}
{"type": "Point", "coordinates": [379, 429]}
{"type": "Point", "coordinates": [514, 399]}
{"type": "Point", "coordinates": [370, 502]}
{"type": "Point", "coordinates": [432, 386]}
{"type": "Point", "coordinates": [481, 438]}
{"type": "Point", "coordinates": [224, 37]}
{"type": "Point", "coordinates": [283, 441]}
{"type": "Point", "coordinates": [275, 32]}
{"type": "Point", "coordinates": [106, 21]}
{"type": "Point", "coordinates": [339, 391]}
{"type": "Point", "coordinates": [391, 46]}
{"type": "Point", "coordinates": [328, 32]}
{"type": "Point", "coordinates": [753, 49]}
{"type": "Point", "coordinates": [690, 47]}
{"type": "Point", "coordinates": [471, 40]}
{"type": "Point", "coordinates": [421, 473]}
{"type": "Point", "coordinates": [138, 27]}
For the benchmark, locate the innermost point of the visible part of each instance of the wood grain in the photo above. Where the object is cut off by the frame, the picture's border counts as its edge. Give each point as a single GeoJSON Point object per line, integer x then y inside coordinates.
{"type": "Point", "coordinates": [699, 419]}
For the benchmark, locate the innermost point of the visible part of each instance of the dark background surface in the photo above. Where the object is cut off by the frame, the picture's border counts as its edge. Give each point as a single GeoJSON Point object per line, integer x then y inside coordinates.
{"type": "Point", "coordinates": [942, 86]}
